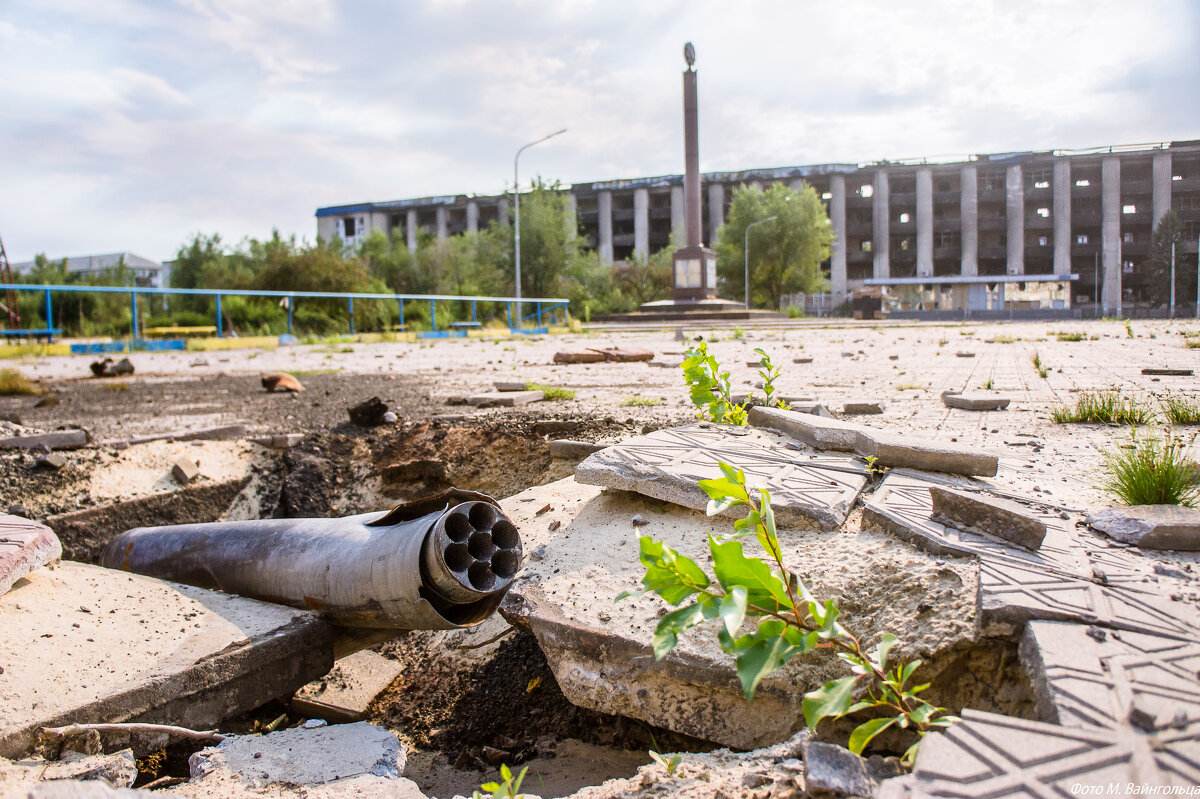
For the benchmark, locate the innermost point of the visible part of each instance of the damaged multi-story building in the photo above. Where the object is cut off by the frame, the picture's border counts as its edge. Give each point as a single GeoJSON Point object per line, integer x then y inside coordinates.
{"type": "Point", "coordinates": [1065, 227]}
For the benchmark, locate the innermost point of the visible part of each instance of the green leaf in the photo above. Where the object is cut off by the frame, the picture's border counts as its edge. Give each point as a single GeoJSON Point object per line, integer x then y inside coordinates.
{"type": "Point", "coordinates": [672, 576]}
{"type": "Point", "coordinates": [732, 567]}
{"type": "Point", "coordinates": [882, 648]}
{"type": "Point", "coordinates": [762, 653]}
{"type": "Point", "coordinates": [768, 538]}
{"type": "Point", "coordinates": [666, 633]}
{"type": "Point", "coordinates": [490, 787]}
{"type": "Point", "coordinates": [924, 712]}
{"type": "Point", "coordinates": [506, 772]}
{"type": "Point", "coordinates": [733, 609]}
{"type": "Point", "coordinates": [831, 699]}
{"type": "Point", "coordinates": [864, 732]}
{"type": "Point", "coordinates": [906, 671]}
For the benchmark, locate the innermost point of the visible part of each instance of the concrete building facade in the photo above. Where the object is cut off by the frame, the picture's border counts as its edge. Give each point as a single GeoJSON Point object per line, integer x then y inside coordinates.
{"type": "Point", "coordinates": [1088, 212]}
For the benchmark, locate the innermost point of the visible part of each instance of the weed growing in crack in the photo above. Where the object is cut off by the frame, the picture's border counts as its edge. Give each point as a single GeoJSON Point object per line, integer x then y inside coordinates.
{"type": "Point", "coordinates": [640, 402]}
{"type": "Point", "coordinates": [510, 788]}
{"type": "Point", "coordinates": [1180, 410]}
{"type": "Point", "coordinates": [1103, 407]}
{"type": "Point", "coordinates": [790, 621]}
{"type": "Point", "coordinates": [769, 374]}
{"type": "Point", "coordinates": [1071, 336]}
{"type": "Point", "coordinates": [710, 388]}
{"type": "Point", "coordinates": [1128, 329]}
{"type": "Point", "coordinates": [1154, 471]}
{"type": "Point", "coordinates": [1041, 368]}
{"type": "Point", "coordinates": [552, 392]}
{"type": "Point", "coordinates": [989, 384]}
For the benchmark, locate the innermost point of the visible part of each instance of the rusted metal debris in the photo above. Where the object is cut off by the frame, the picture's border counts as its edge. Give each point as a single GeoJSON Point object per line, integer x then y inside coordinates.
{"type": "Point", "coordinates": [436, 563]}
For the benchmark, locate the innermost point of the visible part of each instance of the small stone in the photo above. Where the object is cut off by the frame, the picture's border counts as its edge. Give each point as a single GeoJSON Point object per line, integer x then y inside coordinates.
{"type": "Point", "coordinates": [833, 769]}
{"type": "Point", "coordinates": [1098, 633]}
{"type": "Point", "coordinates": [369, 413]}
{"type": "Point", "coordinates": [639, 520]}
{"type": "Point", "coordinates": [53, 461]}
{"type": "Point", "coordinates": [390, 418]}
{"type": "Point", "coordinates": [185, 470]}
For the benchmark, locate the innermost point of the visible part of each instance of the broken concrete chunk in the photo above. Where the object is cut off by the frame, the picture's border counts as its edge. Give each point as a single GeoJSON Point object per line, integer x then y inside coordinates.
{"type": "Point", "coordinates": [505, 399]}
{"type": "Point", "coordinates": [802, 360]}
{"type": "Point", "coordinates": [305, 756]}
{"type": "Point", "coordinates": [862, 408]}
{"type": "Point", "coordinates": [974, 402]}
{"type": "Point", "coordinates": [509, 385]}
{"type": "Point", "coordinates": [805, 491]}
{"type": "Point", "coordinates": [893, 449]}
{"type": "Point", "coordinates": [279, 440]}
{"type": "Point", "coordinates": [118, 770]}
{"type": "Point", "coordinates": [61, 439]}
{"type": "Point", "coordinates": [1150, 526]}
{"type": "Point", "coordinates": [53, 461]}
{"type": "Point", "coordinates": [964, 354]}
{"type": "Point", "coordinates": [587, 356]}
{"type": "Point", "coordinates": [986, 514]}
{"type": "Point", "coordinates": [185, 470]}
{"type": "Point", "coordinates": [832, 769]}
{"type": "Point", "coordinates": [344, 694]}
{"type": "Point", "coordinates": [144, 650]}
{"type": "Point", "coordinates": [573, 450]}
{"type": "Point", "coordinates": [281, 381]}
{"type": "Point", "coordinates": [625, 354]}
{"type": "Point", "coordinates": [25, 545]}
{"type": "Point", "coordinates": [814, 430]}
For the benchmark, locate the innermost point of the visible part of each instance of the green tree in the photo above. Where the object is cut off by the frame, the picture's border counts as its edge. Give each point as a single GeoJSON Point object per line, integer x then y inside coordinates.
{"type": "Point", "coordinates": [550, 247]}
{"type": "Point", "coordinates": [1168, 231]}
{"type": "Point", "coordinates": [785, 254]}
{"type": "Point", "coordinates": [642, 279]}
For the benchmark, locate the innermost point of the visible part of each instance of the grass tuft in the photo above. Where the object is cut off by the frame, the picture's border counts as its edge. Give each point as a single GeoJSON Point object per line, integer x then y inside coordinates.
{"type": "Point", "coordinates": [115, 386]}
{"type": "Point", "coordinates": [552, 392]}
{"type": "Point", "coordinates": [1180, 410]}
{"type": "Point", "coordinates": [640, 402]}
{"type": "Point", "coordinates": [1071, 336]}
{"type": "Point", "coordinates": [13, 382]}
{"type": "Point", "coordinates": [1153, 472]}
{"type": "Point", "coordinates": [910, 387]}
{"type": "Point", "coordinates": [1103, 407]}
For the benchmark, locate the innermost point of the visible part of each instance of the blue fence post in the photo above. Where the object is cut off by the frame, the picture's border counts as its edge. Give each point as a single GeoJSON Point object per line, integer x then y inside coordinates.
{"type": "Point", "coordinates": [134, 327]}
{"type": "Point", "coordinates": [49, 319]}
{"type": "Point", "coordinates": [400, 302]}
{"type": "Point", "coordinates": [472, 310]}
{"type": "Point", "coordinates": [433, 314]}
{"type": "Point", "coordinates": [220, 324]}
{"type": "Point", "coordinates": [350, 305]}
{"type": "Point", "coordinates": [539, 314]}
{"type": "Point", "coordinates": [291, 310]}
{"type": "Point", "coordinates": [508, 314]}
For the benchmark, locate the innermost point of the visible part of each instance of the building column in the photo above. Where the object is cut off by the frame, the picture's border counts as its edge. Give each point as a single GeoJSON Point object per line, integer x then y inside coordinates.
{"type": "Point", "coordinates": [716, 210]}
{"type": "Point", "coordinates": [442, 213]}
{"type": "Point", "coordinates": [678, 215]}
{"type": "Point", "coordinates": [1161, 171]}
{"type": "Point", "coordinates": [837, 219]}
{"type": "Point", "coordinates": [968, 212]}
{"type": "Point", "coordinates": [604, 205]}
{"type": "Point", "coordinates": [641, 222]}
{"type": "Point", "coordinates": [472, 216]}
{"type": "Point", "coordinates": [572, 220]}
{"type": "Point", "coordinates": [1062, 216]}
{"type": "Point", "coordinates": [1110, 234]}
{"type": "Point", "coordinates": [880, 227]}
{"type": "Point", "coordinates": [1014, 200]}
{"type": "Point", "coordinates": [410, 229]}
{"type": "Point", "coordinates": [924, 221]}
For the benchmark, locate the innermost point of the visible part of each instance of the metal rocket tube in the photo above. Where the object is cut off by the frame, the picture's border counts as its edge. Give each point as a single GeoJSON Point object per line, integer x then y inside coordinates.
{"type": "Point", "coordinates": [442, 562]}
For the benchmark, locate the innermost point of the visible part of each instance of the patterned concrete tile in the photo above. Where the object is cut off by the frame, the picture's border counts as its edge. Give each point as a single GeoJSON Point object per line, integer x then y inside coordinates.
{"type": "Point", "coordinates": [807, 489]}
{"type": "Point", "coordinates": [986, 755]}
{"type": "Point", "coordinates": [1091, 677]}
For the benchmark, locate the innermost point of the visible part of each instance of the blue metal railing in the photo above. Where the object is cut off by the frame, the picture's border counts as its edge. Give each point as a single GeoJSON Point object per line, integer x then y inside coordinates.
{"type": "Point", "coordinates": [544, 305]}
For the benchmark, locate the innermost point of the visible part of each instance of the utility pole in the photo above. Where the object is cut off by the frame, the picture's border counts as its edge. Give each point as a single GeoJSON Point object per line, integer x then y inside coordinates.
{"type": "Point", "coordinates": [517, 215]}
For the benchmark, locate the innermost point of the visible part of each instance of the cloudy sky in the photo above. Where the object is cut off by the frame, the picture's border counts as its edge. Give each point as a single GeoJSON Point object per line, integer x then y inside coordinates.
{"type": "Point", "coordinates": [130, 125]}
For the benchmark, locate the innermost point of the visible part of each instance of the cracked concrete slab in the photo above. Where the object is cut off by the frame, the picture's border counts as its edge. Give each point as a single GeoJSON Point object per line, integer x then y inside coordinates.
{"type": "Point", "coordinates": [807, 489]}
{"type": "Point", "coordinates": [142, 649]}
{"type": "Point", "coordinates": [25, 545]}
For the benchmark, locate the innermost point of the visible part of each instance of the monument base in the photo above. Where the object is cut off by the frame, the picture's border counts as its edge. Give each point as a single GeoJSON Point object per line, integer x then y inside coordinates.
{"type": "Point", "coordinates": [686, 312]}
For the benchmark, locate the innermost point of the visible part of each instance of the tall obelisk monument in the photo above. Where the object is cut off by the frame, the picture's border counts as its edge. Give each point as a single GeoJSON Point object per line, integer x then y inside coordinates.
{"type": "Point", "coordinates": [695, 264]}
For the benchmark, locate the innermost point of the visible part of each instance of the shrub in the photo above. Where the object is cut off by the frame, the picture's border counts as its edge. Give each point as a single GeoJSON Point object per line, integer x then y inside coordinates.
{"type": "Point", "coordinates": [1153, 471]}
{"type": "Point", "coordinates": [13, 382]}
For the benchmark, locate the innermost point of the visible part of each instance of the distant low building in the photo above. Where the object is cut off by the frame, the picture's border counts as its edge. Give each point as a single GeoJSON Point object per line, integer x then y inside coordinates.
{"type": "Point", "coordinates": [146, 273]}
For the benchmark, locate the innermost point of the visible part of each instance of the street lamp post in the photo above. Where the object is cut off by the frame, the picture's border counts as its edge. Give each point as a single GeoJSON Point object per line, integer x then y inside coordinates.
{"type": "Point", "coordinates": [746, 253]}
{"type": "Point", "coordinates": [517, 216]}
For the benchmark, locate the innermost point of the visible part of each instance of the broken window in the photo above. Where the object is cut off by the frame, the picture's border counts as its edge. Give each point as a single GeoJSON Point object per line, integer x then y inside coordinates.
{"type": "Point", "coordinates": [1127, 237]}
{"type": "Point", "coordinates": [1040, 178]}
{"type": "Point", "coordinates": [348, 226]}
{"type": "Point", "coordinates": [1083, 182]}
{"type": "Point", "coordinates": [904, 218]}
{"type": "Point", "coordinates": [1043, 241]}
{"type": "Point", "coordinates": [866, 245]}
{"type": "Point", "coordinates": [866, 191]}
{"type": "Point", "coordinates": [827, 195]}
{"type": "Point", "coordinates": [1129, 209]}
{"type": "Point", "coordinates": [1081, 238]}
{"type": "Point", "coordinates": [1044, 213]}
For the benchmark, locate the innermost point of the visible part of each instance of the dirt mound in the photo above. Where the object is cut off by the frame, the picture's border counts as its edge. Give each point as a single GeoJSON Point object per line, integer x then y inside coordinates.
{"type": "Point", "coordinates": [510, 703]}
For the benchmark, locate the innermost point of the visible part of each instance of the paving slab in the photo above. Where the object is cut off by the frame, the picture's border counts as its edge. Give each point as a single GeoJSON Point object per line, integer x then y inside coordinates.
{"type": "Point", "coordinates": [142, 649]}
{"type": "Point", "coordinates": [863, 408]}
{"type": "Point", "coordinates": [977, 512]}
{"type": "Point", "coordinates": [1167, 372]}
{"type": "Point", "coordinates": [988, 755]}
{"type": "Point", "coordinates": [1150, 526]}
{"type": "Point", "coordinates": [62, 439]}
{"type": "Point", "coordinates": [348, 689]}
{"type": "Point", "coordinates": [807, 489]}
{"type": "Point", "coordinates": [1092, 677]}
{"type": "Point", "coordinates": [509, 385]}
{"type": "Point", "coordinates": [816, 431]}
{"type": "Point", "coordinates": [304, 756]}
{"type": "Point", "coordinates": [505, 399]}
{"type": "Point", "coordinates": [910, 452]}
{"type": "Point", "coordinates": [974, 402]}
{"type": "Point", "coordinates": [25, 545]}
{"type": "Point", "coordinates": [573, 450]}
